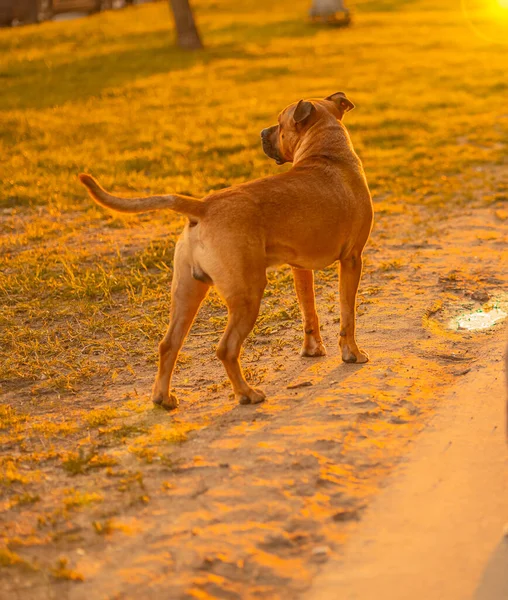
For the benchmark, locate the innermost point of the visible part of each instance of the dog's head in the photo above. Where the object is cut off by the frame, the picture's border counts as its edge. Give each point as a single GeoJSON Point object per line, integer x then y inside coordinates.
{"type": "Point", "coordinates": [280, 141]}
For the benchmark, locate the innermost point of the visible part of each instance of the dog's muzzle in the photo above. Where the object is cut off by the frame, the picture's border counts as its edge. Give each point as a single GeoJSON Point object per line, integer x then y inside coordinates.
{"type": "Point", "coordinates": [268, 148]}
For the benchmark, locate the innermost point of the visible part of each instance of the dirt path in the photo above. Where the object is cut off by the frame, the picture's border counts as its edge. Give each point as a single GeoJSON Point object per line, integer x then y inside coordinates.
{"type": "Point", "coordinates": [259, 498]}
{"type": "Point", "coordinates": [440, 521]}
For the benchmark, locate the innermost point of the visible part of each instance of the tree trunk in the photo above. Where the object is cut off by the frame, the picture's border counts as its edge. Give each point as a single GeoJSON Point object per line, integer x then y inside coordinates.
{"type": "Point", "coordinates": [187, 35]}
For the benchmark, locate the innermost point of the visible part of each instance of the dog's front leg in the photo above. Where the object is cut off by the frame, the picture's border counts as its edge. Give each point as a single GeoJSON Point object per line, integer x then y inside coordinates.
{"type": "Point", "coordinates": [350, 273]}
{"type": "Point", "coordinates": [304, 286]}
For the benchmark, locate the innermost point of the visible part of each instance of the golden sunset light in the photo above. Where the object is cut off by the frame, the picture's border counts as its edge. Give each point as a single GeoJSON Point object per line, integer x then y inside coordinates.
{"type": "Point", "coordinates": [253, 299]}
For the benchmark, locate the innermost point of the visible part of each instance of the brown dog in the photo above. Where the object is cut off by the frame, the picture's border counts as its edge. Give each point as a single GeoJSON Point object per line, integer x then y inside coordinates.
{"type": "Point", "coordinates": [316, 213]}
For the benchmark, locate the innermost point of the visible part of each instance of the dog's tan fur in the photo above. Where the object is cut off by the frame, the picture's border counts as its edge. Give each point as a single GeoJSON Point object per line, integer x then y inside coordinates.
{"type": "Point", "coordinates": [316, 213]}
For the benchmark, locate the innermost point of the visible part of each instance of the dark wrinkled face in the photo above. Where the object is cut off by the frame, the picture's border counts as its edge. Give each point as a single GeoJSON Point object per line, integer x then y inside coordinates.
{"type": "Point", "coordinates": [281, 141]}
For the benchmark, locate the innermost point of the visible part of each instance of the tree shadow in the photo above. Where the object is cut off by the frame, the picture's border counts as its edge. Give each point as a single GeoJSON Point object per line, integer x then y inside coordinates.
{"type": "Point", "coordinates": [266, 32]}
{"type": "Point", "coordinates": [41, 83]}
{"type": "Point", "coordinates": [37, 84]}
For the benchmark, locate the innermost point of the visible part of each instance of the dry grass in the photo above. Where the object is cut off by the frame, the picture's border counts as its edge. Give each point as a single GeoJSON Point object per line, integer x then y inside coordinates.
{"type": "Point", "coordinates": [85, 292]}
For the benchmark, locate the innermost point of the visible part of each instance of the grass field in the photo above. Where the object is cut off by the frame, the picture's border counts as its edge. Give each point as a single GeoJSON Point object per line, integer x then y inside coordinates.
{"type": "Point", "coordinates": [111, 95]}
{"type": "Point", "coordinates": [84, 294]}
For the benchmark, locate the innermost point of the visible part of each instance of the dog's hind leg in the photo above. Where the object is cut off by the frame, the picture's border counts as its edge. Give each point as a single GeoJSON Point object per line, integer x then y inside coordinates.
{"type": "Point", "coordinates": [243, 308]}
{"type": "Point", "coordinates": [304, 286]}
{"type": "Point", "coordinates": [187, 293]}
{"type": "Point", "coordinates": [350, 273]}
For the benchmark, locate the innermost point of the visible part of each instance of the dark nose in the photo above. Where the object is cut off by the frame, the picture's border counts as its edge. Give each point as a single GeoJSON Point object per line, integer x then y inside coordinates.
{"type": "Point", "coordinates": [264, 132]}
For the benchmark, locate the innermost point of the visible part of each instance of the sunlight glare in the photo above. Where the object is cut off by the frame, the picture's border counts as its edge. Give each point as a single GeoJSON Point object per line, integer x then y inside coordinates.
{"type": "Point", "coordinates": [479, 319]}
{"type": "Point", "coordinates": [488, 19]}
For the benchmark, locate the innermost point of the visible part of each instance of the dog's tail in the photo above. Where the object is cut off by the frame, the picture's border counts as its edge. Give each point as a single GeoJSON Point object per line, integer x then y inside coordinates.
{"type": "Point", "coordinates": [181, 204]}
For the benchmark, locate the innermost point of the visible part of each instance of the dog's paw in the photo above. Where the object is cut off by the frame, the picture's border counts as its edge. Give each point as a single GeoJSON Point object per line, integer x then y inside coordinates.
{"type": "Point", "coordinates": [167, 401]}
{"type": "Point", "coordinates": [359, 357]}
{"type": "Point", "coordinates": [313, 350]}
{"type": "Point", "coordinates": [252, 397]}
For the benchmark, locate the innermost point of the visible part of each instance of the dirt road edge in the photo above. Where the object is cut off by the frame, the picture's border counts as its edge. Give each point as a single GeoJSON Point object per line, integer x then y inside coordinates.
{"type": "Point", "coordinates": [437, 530]}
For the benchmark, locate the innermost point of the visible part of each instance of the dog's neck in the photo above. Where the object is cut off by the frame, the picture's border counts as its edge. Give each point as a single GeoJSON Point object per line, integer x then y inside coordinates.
{"type": "Point", "coordinates": [329, 140]}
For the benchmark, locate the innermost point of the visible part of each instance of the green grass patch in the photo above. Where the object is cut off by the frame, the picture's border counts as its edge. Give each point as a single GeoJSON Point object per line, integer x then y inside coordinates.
{"type": "Point", "coordinates": [85, 460]}
{"type": "Point", "coordinates": [76, 499]}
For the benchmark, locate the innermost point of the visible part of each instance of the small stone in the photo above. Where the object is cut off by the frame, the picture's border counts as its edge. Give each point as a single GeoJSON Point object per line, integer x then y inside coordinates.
{"type": "Point", "coordinates": [397, 420]}
{"type": "Point", "coordinates": [346, 515]}
{"type": "Point", "coordinates": [480, 296]}
{"type": "Point", "coordinates": [320, 551]}
{"type": "Point", "coordinates": [462, 372]}
{"type": "Point", "coordinates": [294, 386]}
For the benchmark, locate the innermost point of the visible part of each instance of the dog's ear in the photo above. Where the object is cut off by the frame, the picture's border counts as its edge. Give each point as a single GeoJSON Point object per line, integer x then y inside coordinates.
{"type": "Point", "coordinates": [303, 111]}
{"type": "Point", "coordinates": [341, 102]}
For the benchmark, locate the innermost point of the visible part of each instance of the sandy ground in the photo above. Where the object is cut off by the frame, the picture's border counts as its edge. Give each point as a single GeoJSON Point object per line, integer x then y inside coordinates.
{"type": "Point", "coordinates": [438, 530]}
{"type": "Point", "coordinates": [259, 499]}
